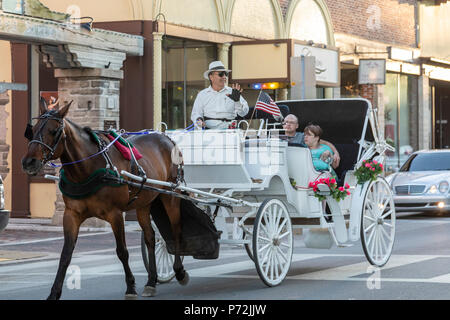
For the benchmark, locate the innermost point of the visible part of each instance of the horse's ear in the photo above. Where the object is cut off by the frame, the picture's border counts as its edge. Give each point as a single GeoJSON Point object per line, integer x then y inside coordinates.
{"type": "Point", "coordinates": [63, 111]}
{"type": "Point", "coordinates": [43, 106]}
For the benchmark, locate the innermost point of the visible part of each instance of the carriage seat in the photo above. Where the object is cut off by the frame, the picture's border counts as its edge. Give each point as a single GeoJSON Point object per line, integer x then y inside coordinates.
{"type": "Point", "coordinates": [300, 166]}
{"type": "Point", "coordinates": [349, 155]}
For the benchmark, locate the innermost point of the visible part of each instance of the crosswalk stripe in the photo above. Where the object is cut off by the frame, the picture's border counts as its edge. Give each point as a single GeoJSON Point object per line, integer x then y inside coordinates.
{"type": "Point", "coordinates": [352, 270]}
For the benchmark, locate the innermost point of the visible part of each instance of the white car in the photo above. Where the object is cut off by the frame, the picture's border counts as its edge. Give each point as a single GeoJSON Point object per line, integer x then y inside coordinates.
{"type": "Point", "coordinates": [422, 184]}
{"type": "Point", "coordinates": [4, 215]}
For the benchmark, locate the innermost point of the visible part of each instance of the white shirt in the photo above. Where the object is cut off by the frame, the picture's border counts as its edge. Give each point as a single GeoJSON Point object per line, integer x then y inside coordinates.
{"type": "Point", "coordinates": [216, 104]}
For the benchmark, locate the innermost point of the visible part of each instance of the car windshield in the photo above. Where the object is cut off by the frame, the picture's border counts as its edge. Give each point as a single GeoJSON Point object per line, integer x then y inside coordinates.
{"type": "Point", "coordinates": [435, 161]}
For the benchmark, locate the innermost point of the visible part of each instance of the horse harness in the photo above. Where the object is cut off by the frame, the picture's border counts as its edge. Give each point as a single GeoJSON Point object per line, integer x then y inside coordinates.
{"type": "Point", "coordinates": [108, 176]}
{"type": "Point", "coordinates": [58, 134]}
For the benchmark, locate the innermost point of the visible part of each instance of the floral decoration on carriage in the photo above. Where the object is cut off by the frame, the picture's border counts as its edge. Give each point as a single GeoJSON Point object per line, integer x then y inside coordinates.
{"type": "Point", "coordinates": [337, 193]}
{"type": "Point", "coordinates": [368, 171]}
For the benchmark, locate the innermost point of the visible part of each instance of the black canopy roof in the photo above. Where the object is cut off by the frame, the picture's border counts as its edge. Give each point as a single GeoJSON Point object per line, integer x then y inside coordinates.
{"type": "Point", "coordinates": [342, 120]}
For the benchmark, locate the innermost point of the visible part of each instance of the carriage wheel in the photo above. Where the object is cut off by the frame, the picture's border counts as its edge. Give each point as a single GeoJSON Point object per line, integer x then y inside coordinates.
{"type": "Point", "coordinates": [164, 260]}
{"type": "Point", "coordinates": [378, 223]}
{"type": "Point", "coordinates": [272, 242]}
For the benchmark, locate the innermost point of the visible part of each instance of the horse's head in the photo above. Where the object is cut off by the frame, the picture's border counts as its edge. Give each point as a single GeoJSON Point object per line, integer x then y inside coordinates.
{"type": "Point", "coordinates": [45, 138]}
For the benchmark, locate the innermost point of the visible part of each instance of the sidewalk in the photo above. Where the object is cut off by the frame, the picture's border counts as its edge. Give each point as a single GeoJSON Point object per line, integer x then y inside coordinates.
{"type": "Point", "coordinates": [47, 226]}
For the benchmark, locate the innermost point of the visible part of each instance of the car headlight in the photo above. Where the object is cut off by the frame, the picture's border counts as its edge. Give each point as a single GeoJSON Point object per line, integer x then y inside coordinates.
{"type": "Point", "coordinates": [433, 189]}
{"type": "Point", "coordinates": [443, 186]}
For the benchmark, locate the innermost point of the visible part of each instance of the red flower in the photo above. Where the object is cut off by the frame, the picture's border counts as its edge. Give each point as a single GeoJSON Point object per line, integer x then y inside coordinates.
{"type": "Point", "coordinates": [347, 186]}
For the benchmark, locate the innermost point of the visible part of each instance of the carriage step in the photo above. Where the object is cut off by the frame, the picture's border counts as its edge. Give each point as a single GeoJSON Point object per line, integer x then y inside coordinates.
{"type": "Point", "coordinates": [235, 241]}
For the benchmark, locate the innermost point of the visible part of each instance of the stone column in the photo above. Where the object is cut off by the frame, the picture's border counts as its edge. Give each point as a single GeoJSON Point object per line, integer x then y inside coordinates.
{"type": "Point", "coordinates": [425, 114]}
{"type": "Point", "coordinates": [4, 147]}
{"type": "Point", "coordinates": [222, 53]}
{"type": "Point", "coordinates": [96, 95]}
{"type": "Point", "coordinates": [157, 79]}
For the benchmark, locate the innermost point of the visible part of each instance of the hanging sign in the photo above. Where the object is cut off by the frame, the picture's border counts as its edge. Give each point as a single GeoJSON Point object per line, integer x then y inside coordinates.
{"type": "Point", "coordinates": [372, 71]}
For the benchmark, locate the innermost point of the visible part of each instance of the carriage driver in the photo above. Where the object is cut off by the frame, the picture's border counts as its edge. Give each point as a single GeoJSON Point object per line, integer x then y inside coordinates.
{"type": "Point", "coordinates": [216, 106]}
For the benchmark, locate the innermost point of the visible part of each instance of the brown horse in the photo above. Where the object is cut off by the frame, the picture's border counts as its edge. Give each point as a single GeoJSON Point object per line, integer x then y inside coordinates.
{"type": "Point", "coordinates": [56, 137]}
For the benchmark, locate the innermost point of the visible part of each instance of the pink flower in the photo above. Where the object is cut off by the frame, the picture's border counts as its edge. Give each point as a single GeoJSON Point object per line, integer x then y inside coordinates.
{"type": "Point", "coordinates": [375, 162]}
{"type": "Point", "coordinates": [373, 169]}
{"type": "Point", "coordinates": [333, 181]}
{"type": "Point", "coordinates": [367, 165]}
{"type": "Point", "coordinates": [341, 189]}
{"type": "Point", "coordinates": [348, 193]}
{"type": "Point", "coordinates": [347, 186]}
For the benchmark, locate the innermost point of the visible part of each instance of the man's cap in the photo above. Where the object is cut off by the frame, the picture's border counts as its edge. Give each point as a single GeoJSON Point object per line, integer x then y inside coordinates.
{"type": "Point", "coordinates": [215, 66]}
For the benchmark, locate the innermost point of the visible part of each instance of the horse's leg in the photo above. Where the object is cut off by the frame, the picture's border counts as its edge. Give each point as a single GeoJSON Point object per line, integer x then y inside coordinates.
{"type": "Point", "coordinates": [172, 206]}
{"type": "Point", "coordinates": [71, 225]}
{"type": "Point", "coordinates": [143, 216]}
{"type": "Point", "coordinates": [115, 218]}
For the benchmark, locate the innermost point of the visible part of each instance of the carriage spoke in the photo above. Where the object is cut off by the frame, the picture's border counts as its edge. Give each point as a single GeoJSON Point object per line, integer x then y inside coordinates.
{"type": "Point", "coordinates": [388, 236]}
{"type": "Point", "coordinates": [370, 227]}
{"type": "Point", "coordinates": [265, 247]}
{"type": "Point", "coordinates": [279, 215]}
{"type": "Point", "coordinates": [387, 214]}
{"type": "Point", "coordinates": [281, 226]}
{"type": "Point", "coordinates": [282, 254]}
{"type": "Point", "coordinates": [384, 245]}
{"type": "Point", "coordinates": [284, 235]}
{"type": "Point", "coordinates": [369, 240]}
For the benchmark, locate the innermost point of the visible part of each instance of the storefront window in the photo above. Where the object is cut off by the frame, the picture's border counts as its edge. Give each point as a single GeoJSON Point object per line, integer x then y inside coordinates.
{"type": "Point", "coordinates": [184, 62]}
{"type": "Point", "coordinates": [400, 115]}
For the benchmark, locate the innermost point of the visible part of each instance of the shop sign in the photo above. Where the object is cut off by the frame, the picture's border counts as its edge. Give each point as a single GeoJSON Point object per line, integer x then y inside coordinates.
{"type": "Point", "coordinates": [372, 71]}
{"type": "Point", "coordinates": [327, 63]}
{"type": "Point", "coordinates": [13, 6]}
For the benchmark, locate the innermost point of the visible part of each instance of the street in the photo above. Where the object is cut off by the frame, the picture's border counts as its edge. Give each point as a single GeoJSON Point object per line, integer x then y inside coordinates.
{"type": "Point", "coordinates": [418, 269]}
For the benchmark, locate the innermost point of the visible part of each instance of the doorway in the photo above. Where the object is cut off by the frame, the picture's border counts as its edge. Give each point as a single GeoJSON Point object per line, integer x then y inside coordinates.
{"type": "Point", "coordinates": [184, 62]}
{"type": "Point", "coordinates": [441, 116]}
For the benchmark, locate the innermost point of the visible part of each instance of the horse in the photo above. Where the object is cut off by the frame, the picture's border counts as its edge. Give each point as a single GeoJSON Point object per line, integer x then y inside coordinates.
{"type": "Point", "coordinates": [56, 137]}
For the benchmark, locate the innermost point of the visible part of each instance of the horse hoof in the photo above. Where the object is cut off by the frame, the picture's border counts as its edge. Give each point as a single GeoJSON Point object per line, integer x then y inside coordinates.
{"type": "Point", "coordinates": [131, 296]}
{"type": "Point", "coordinates": [185, 280]}
{"type": "Point", "coordinates": [149, 291]}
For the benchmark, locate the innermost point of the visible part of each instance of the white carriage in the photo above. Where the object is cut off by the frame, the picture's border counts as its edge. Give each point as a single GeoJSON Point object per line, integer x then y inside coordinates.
{"type": "Point", "coordinates": [249, 173]}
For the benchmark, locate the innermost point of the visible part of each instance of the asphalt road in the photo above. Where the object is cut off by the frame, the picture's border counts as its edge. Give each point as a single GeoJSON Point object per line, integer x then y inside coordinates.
{"type": "Point", "coordinates": [419, 269]}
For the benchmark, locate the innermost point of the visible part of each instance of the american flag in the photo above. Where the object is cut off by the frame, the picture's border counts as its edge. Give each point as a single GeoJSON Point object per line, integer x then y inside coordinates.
{"type": "Point", "coordinates": [266, 104]}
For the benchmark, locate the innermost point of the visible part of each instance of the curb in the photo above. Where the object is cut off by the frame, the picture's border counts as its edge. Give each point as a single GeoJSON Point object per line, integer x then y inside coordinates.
{"type": "Point", "coordinates": [46, 226]}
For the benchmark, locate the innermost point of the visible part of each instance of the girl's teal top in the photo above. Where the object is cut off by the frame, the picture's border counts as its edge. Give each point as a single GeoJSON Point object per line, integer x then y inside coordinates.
{"type": "Point", "coordinates": [320, 165]}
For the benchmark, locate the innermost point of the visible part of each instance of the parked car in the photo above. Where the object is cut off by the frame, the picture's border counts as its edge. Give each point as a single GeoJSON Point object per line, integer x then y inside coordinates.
{"type": "Point", "coordinates": [4, 214]}
{"type": "Point", "coordinates": [422, 183]}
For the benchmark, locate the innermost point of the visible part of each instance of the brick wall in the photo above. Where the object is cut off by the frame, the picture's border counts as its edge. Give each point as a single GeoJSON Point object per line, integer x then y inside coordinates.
{"type": "Point", "coordinates": [388, 21]}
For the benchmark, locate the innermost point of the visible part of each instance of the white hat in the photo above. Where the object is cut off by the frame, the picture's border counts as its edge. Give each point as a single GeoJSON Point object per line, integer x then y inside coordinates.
{"type": "Point", "coordinates": [215, 66]}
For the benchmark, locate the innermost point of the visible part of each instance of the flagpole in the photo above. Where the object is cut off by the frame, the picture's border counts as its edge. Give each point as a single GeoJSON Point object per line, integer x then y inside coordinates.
{"type": "Point", "coordinates": [253, 113]}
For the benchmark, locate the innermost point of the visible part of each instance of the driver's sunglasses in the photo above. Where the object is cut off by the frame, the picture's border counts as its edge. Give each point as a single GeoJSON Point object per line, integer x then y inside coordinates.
{"type": "Point", "coordinates": [222, 73]}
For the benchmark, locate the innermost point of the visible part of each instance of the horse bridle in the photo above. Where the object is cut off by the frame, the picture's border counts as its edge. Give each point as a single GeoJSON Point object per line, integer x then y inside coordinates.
{"type": "Point", "coordinates": [58, 135]}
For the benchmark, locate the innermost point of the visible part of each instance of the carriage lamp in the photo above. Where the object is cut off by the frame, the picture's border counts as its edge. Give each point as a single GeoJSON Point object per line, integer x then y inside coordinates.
{"type": "Point", "coordinates": [443, 187]}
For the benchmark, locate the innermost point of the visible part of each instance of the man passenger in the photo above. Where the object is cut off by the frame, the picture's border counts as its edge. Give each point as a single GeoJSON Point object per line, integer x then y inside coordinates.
{"type": "Point", "coordinates": [290, 126]}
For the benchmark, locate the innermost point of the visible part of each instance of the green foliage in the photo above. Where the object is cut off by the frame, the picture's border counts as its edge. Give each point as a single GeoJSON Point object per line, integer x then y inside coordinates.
{"type": "Point", "coordinates": [368, 171]}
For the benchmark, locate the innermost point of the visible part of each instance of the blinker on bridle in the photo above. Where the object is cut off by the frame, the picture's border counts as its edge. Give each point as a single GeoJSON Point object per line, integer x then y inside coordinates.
{"type": "Point", "coordinates": [58, 135]}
